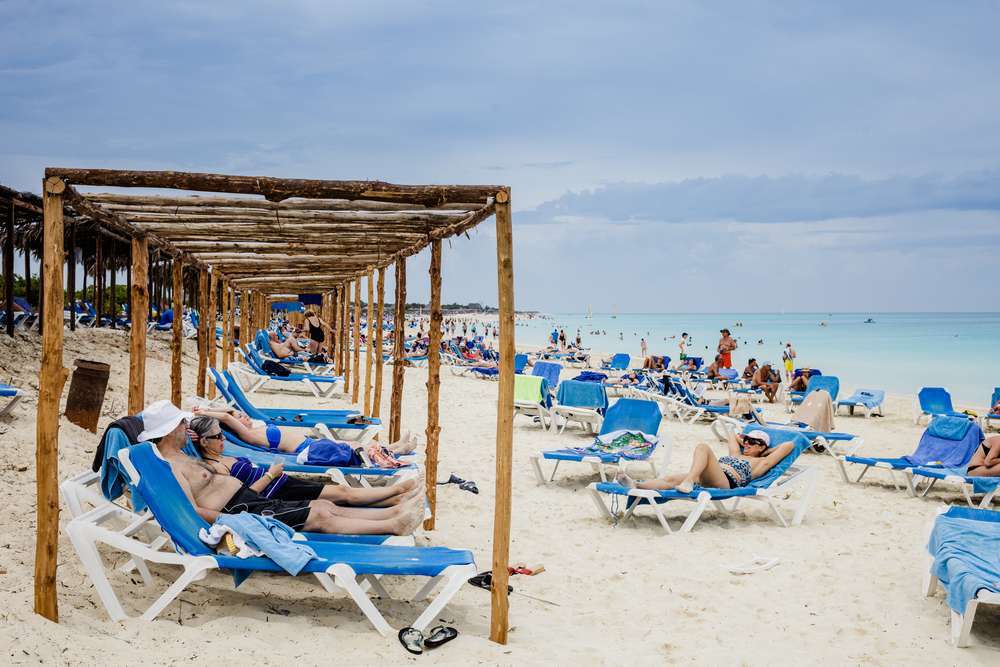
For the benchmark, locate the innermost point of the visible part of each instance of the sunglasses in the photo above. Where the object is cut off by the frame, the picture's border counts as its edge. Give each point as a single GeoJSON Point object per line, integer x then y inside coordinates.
{"type": "Point", "coordinates": [217, 436]}
{"type": "Point", "coordinates": [753, 441]}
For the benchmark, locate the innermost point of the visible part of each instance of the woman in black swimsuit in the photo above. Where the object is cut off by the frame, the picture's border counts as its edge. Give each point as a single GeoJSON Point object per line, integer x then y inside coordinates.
{"type": "Point", "coordinates": [316, 327]}
{"type": "Point", "coordinates": [986, 461]}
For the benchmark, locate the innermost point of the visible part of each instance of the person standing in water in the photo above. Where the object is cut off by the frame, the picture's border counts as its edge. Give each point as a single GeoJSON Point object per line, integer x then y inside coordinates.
{"type": "Point", "coordinates": [643, 348]}
{"type": "Point", "coordinates": [683, 346]}
{"type": "Point", "coordinates": [788, 356]}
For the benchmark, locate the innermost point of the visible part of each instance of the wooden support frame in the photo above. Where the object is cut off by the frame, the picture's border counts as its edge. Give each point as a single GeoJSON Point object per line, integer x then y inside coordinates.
{"type": "Point", "coordinates": [210, 318]}
{"type": "Point", "coordinates": [379, 340]}
{"type": "Point", "coordinates": [8, 270]}
{"type": "Point", "coordinates": [369, 344]}
{"type": "Point", "coordinates": [52, 377]}
{"type": "Point", "coordinates": [99, 278]}
{"type": "Point", "coordinates": [433, 431]}
{"type": "Point", "coordinates": [345, 346]}
{"type": "Point", "coordinates": [70, 277]}
{"type": "Point", "coordinates": [499, 603]}
{"type": "Point", "coordinates": [398, 354]}
{"type": "Point", "coordinates": [111, 294]}
{"type": "Point", "coordinates": [137, 335]}
{"type": "Point", "coordinates": [177, 330]}
{"type": "Point", "coordinates": [227, 329]}
{"type": "Point", "coordinates": [356, 336]}
{"type": "Point", "coordinates": [245, 335]}
{"type": "Point", "coordinates": [335, 343]}
{"type": "Point", "coordinates": [202, 333]}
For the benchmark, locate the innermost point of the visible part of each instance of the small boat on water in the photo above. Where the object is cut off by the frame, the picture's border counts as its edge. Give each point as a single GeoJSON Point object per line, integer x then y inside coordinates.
{"type": "Point", "coordinates": [869, 321]}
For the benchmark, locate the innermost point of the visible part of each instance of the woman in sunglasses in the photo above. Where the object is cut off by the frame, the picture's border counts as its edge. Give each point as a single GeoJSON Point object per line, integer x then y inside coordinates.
{"type": "Point", "coordinates": [750, 456]}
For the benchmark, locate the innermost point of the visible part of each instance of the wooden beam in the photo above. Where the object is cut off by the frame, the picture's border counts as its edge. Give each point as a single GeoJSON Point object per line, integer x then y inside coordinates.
{"type": "Point", "coordinates": [52, 377]}
{"type": "Point", "coordinates": [335, 323]}
{"type": "Point", "coordinates": [210, 319]}
{"type": "Point", "coordinates": [277, 189]}
{"type": "Point", "coordinates": [398, 360]}
{"type": "Point", "coordinates": [137, 334]}
{"type": "Point", "coordinates": [238, 216]}
{"type": "Point", "coordinates": [357, 343]}
{"type": "Point", "coordinates": [111, 293]}
{"type": "Point", "coordinates": [203, 336]}
{"type": "Point", "coordinates": [177, 339]}
{"type": "Point", "coordinates": [369, 344]}
{"type": "Point", "coordinates": [245, 334]}
{"type": "Point", "coordinates": [379, 361]}
{"type": "Point", "coordinates": [227, 332]}
{"type": "Point", "coordinates": [196, 202]}
{"type": "Point", "coordinates": [505, 422]}
{"type": "Point", "coordinates": [345, 349]}
{"type": "Point", "coordinates": [433, 431]}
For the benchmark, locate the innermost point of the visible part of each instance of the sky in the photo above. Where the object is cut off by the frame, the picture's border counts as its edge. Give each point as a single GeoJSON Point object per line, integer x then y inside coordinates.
{"type": "Point", "coordinates": [662, 156]}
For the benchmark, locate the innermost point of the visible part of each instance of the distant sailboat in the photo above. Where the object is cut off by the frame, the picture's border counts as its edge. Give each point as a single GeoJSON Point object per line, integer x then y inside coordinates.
{"type": "Point", "coordinates": [590, 313]}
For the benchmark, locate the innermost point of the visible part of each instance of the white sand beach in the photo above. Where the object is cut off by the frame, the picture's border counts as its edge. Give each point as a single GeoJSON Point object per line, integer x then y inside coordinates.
{"type": "Point", "coordinates": [847, 589]}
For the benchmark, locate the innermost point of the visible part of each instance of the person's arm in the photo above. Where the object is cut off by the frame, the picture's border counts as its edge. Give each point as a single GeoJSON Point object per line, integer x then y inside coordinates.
{"type": "Point", "coordinates": [993, 456]}
{"type": "Point", "coordinates": [733, 443]}
{"type": "Point", "coordinates": [234, 425]}
{"type": "Point", "coordinates": [775, 456]}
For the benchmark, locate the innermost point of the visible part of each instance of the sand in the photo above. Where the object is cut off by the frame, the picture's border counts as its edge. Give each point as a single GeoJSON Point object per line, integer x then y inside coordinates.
{"type": "Point", "coordinates": [846, 590]}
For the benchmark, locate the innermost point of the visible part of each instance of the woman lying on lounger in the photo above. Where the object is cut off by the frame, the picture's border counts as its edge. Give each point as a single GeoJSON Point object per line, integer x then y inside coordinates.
{"type": "Point", "coordinates": [288, 439]}
{"type": "Point", "coordinates": [986, 461]}
{"type": "Point", "coordinates": [206, 434]}
{"type": "Point", "coordinates": [750, 457]}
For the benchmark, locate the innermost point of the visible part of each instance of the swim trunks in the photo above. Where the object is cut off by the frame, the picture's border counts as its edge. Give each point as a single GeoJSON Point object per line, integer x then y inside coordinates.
{"type": "Point", "coordinates": [292, 513]}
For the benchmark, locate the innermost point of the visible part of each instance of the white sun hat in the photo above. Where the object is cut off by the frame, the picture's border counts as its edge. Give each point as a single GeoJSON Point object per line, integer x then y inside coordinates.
{"type": "Point", "coordinates": [760, 435]}
{"type": "Point", "coordinates": [161, 418]}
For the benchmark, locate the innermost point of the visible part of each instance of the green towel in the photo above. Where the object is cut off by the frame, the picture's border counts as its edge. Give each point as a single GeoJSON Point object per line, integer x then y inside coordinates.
{"type": "Point", "coordinates": [528, 388]}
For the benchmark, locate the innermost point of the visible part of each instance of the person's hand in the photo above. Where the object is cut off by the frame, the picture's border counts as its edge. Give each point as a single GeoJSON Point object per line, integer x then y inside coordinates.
{"type": "Point", "coordinates": [276, 469]}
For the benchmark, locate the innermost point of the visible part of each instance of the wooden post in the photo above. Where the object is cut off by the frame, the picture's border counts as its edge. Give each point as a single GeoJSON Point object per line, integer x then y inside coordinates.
{"type": "Point", "coordinates": [51, 378]}
{"type": "Point", "coordinates": [41, 290]}
{"type": "Point", "coordinates": [202, 332]}
{"type": "Point", "coordinates": [114, 287]}
{"type": "Point", "coordinates": [210, 318]}
{"type": "Point", "coordinates": [345, 347]}
{"type": "Point", "coordinates": [369, 343]}
{"type": "Point", "coordinates": [71, 275]}
{"type": "Point", "coordinates": [245, 334]}
{"type": "Point", "coordinates": [379, 361]}
{"type": "Point", "coordinates": [232, 321]}
{"type": "Point", "coordinates": [433, 384]}
{"type": "Point", "coordinates": [151, 293]}
{"type": "Point", "coordinates": [8, 270]}
{"type": "Point", "coordinates": [137, 336]}
{"type": "Point", "coordinates": [128, 287]}
{"type": "Point", "coordinates": [337, 331]}
{"type": "Point", "coordinates": [27, 272]}
{"type": "Point", "coordinates": [398, 361]}
{"type": "Point", "coordinates": [178, 333]}
{"type": "Point", "coordinates": [226, 328]}
{"type": "Point", "coordinates": [505, 421]}
{"type": "Point", "coordinates": [355, 386]}
{"type": "Point", "coordinates": [99, 278]}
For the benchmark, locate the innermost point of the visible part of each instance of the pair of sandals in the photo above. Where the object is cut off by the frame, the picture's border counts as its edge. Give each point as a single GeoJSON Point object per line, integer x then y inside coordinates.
{"type": "Point", "coordinates": [465, 485]}
{"type": "Point", "coordinates": [415, 642]}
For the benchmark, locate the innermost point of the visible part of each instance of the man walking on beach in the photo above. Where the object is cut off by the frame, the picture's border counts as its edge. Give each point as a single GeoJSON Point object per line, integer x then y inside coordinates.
{"type": "Point", "coordinates": [788, 356]}
{"type": "Point", "coordinates": [726, 346]}
{"type": "Point", "coordinates": [643, 348]}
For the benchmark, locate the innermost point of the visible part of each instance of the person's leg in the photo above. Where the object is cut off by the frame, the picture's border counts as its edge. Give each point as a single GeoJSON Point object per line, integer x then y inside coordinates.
{"type": "Point", "coordinates": [705, 470]}
{"type": "Point", "coordinates": [380, 496]}
{"type": "Point", "coordinates": [322, 519]}
{"type": "Point", "coordinates": [661, 483]}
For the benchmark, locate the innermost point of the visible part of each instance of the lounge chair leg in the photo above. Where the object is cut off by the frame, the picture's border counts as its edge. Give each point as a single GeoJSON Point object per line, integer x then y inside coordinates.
{"type": "Point", "coordinates": [426, 589]}
{"type": "Point", "coordinates": [930, 582]}
{"type": "Point", "coordinates": [191, 573]}
{"type": "Point", "coordinates": [536, 465]}
{"type": "Point", "coordinates": [554, 469]}
{"type": "Point", "coordinates": [807, 496]}
{"type": "Point", "coordinates": [961, 624]}
{"type": "Point", "coordinates": [602, 508]}
{"type": "Point", "coordinates": [700, 505]}
{"type": "Point", "coordinates": [344, 577]}
{"type": "Point", "coordinates": [455, 577]}
{"type": "Point", "coordinates": [86, 549]}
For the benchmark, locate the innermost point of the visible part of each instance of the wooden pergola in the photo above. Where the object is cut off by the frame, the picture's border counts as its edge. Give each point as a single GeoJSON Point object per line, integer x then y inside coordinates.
{"type": "Point", "coordinates": [256, 237]}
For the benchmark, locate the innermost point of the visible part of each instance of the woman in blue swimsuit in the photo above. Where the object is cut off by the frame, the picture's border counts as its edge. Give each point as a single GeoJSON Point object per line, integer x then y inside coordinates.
{"type": "Point", "coordinates": [750, 456]}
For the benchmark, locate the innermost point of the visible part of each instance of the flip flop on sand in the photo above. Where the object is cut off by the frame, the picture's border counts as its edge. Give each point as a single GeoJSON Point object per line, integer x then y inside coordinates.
{"type": "Point", "coordinates": [441, 634]}
{"type": "Point", "coordinates": [484, 580]}
{"type": "Point", "coordinates": [412, 640]}
{"type": "Point", "coordinates": [758, 564]}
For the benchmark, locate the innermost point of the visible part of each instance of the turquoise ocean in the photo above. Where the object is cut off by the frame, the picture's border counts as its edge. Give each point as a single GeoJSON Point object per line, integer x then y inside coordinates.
{"type": "Point", "coordinates": [898, 352]}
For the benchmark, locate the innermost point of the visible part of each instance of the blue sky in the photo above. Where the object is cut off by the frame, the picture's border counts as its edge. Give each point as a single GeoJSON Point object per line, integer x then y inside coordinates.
{"type": "Point", "coordinates": [691, 156]}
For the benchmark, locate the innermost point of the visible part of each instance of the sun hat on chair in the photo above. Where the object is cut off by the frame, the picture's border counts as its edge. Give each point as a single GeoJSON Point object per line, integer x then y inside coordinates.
{"type": "Point", "coordinates": [161, 418]}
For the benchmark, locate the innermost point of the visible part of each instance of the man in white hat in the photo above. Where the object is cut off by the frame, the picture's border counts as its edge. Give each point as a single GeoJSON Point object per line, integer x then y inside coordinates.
{"type": "Point", "coordinates": [213, 493]}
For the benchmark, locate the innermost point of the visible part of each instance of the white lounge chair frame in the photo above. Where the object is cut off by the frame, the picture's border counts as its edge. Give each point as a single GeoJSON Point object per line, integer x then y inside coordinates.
{"type": "Point", "coordinates": [252, 382]}
{"type": "Point", "coordinates": [602, 468]}
{"type": "Point", "coordinates": [795, 476]}
{"type": "Point", "coordinates": [961, 624]}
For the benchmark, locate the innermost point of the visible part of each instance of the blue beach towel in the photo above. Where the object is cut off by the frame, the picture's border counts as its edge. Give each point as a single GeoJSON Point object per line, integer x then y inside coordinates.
{"type": "Point", "coordinates": [949, 428]}
{"type": "Point", "coordinates": [549, 371]}
{"type": "Point", "coordinates": [271, 537]}
{"type": "Point", "coordinates": [578, 394]}
{"type": "Point", "coordinates": [965, 545]}
{"type": "Point", "coordinates": [591, 376]}
{"type": "Point", "coordinates": [941, 452]}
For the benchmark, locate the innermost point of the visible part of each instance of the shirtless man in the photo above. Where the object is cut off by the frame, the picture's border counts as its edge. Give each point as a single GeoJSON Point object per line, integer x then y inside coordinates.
{"type": "Point", "coordinates": [726, 346]}
{"type": "Point", "coordinates": [764, 379]}
{"type": "Point", "coordinates": [212, 493]}
{"type": "Point", "coordinates": [278, 349]}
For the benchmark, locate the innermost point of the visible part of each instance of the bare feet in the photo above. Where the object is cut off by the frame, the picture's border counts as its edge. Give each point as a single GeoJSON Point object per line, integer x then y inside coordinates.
{"type": "Point", "coordinates": [624, 480]}
{"type": "Point", "coordinates": [687, 486]}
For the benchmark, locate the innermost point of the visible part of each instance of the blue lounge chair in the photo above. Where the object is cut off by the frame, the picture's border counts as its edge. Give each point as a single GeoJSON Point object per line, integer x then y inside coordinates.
{"type": "Point", "coordinates": [869, 400]}
{"type": "Point", "coordinates": [13, 393]}
{"type": "Point", "coordinates": [345, 564]}
{"type": "Point", "coordinates": [548, 370]}
{"type": "Point", "coordinates": [935, 401]}
{"type": "Point", "coordinates": [532, 398]}
{"type": "Point", "coordinates": [946, 443]}
{"type": "Point", "coordinates": [772, 486]}
{"type": "Point", "coordinates": [964, 548]}
{"type": "Point", "coordinates": [520, 362]}
{"type": "Point", "coordinates": [619, 362]}
{"type": "Point", "coordinates": [321, 386]}
{"type": "Point", "coordinates": [828, 383]}
{"type": "Point", "coordinates": [687, 406]}
{"type": "Point", "coordinates": [581, 402]}
{"type": "Point", "coordinates": [992, 416]}
{"type": "Point", "coordinates": [627, 414]}
{"type": "Point", "coordinates": [834, 443]}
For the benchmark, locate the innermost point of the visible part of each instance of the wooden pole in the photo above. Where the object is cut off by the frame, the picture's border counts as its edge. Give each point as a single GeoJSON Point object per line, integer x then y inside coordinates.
{"type": "Point", "coordinates": [178, 333]}
{"type": "Point", "coordinates": [99, 278]}
{"type": "Point", "coordinates": [369, 343]}
{"type": "Point", "coordinates": [27, 272]}
{"type": "Point", "coordinates": [71, 276]}
{"type": "Point", "coordinates": [355, 387]}
{"type": "Point", "coordinates": [379, 361]}
{"type": "Point", "coordinates": [51, 379]}
{"type": "Point", "coordinates": [137, 336]}
{"type": "Point", "coordinates": [232, 321]}
{"type": "Point", "coordinates": [433, 384]}
{"type": "Point", "coordinates": [345, 345]}
{"type": "Point", "coordinates": [398, 361]}
{"type": "Point", "coordinates": [210, 319]}
{"type": "Point", "coordinates": [226, 328]}
{"type": "Point", "coordinates": [41, 290]}
{"type": "Point", "coordinates": [8, 270]}
{"type": "Point", "coordinates": [505, 421]}
{"type": "Point", "coordinates": [338, 317]}
{"type": "Point", "coordinates": [245, 334]}
{"type": "Point", "coordinates": [128, 287]}
{"type": "Point", "coordinates": [112, 294]}
{"type": "Point", "coordinates": [202, 332]}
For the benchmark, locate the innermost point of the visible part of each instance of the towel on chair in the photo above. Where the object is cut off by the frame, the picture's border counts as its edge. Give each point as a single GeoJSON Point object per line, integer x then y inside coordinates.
{"type": "Point", "coordinates": [966, 557]}
{"type": "Point", "coordinates": [949, 428]}
{"type": "Point", "coordinates": [739, 404]}
{"type": "Point", "coordinates": [816, 410]}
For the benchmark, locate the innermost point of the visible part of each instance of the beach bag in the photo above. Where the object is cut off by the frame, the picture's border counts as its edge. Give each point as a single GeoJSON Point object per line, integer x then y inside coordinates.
{"type": "Point", "coordinates": [274, 368]}
{"type": "Point", "coordinates": [318, 359]}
